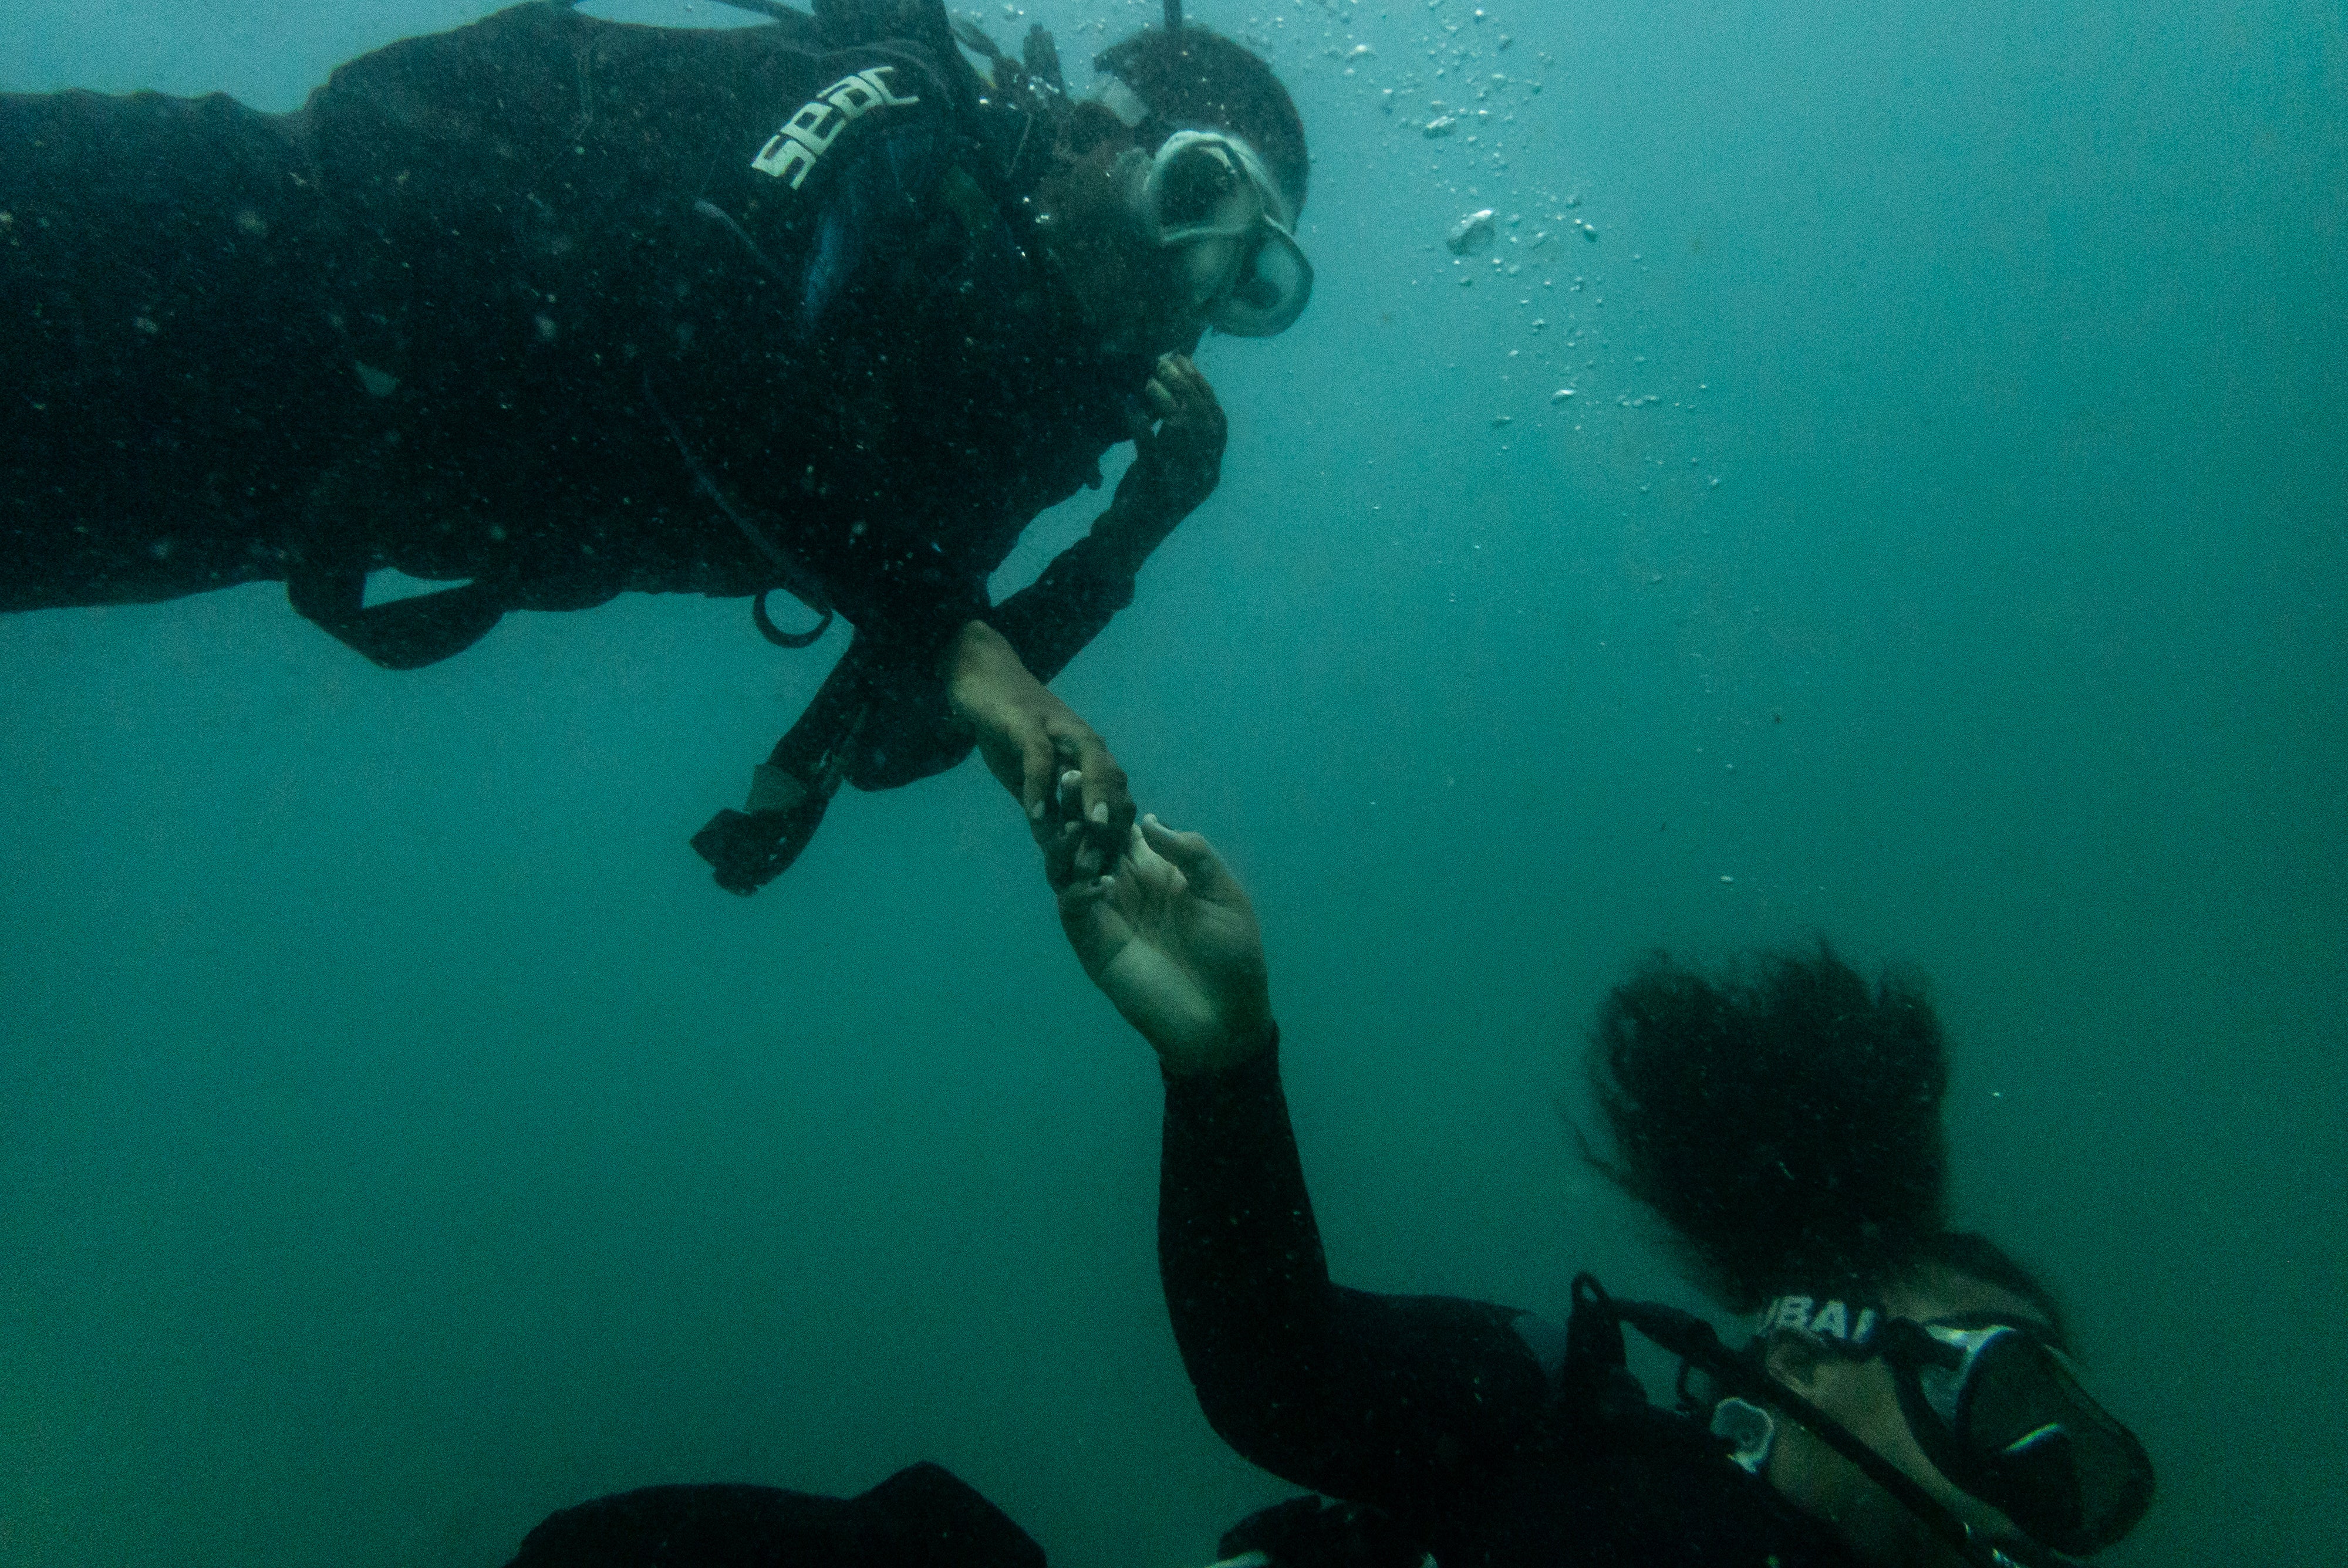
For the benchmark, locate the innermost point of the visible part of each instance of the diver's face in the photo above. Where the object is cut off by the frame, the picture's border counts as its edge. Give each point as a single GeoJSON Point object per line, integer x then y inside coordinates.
{"type": "Point", "coordinates": [1132, 290]}
{"type": "Point", "coordinates": [1862, 1396]}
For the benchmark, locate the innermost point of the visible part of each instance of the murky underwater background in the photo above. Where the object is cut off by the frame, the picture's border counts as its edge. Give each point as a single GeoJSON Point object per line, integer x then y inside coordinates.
{"type": "Point", "coordinates": [1943, 551]}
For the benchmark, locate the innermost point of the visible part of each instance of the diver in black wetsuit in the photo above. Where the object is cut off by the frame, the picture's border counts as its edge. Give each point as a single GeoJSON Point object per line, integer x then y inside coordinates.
{"type": "Point", "coordinates": [1907, 1398]}
{"type": "Point", "coordinates": [566, 308]}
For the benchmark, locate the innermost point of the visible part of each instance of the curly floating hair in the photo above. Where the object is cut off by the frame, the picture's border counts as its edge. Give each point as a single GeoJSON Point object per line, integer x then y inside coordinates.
{"type": "Point", "coordinates": [1786, 1123]}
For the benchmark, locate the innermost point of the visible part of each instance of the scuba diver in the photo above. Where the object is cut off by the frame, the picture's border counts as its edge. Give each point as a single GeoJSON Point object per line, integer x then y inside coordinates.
{"type": "Point", "coordinates": [1908, 1397]}
{"type": "Point", "coordinates": [550, 308]}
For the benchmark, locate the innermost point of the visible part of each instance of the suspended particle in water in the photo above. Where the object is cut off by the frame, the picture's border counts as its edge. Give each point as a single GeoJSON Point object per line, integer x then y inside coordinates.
{"type": "Point", "coordinates": [1471, 233]}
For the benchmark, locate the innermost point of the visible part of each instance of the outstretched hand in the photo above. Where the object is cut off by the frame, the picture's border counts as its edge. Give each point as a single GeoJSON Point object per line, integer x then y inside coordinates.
{"type": "Point", "coordinates": [1171, 938]}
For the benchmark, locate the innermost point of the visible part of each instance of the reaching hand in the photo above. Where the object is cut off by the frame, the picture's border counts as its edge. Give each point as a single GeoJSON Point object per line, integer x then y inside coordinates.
{"type": "Point", "coordinates": [1028, 736]}
{"type": "Point", "coordinates": [1172, 939]}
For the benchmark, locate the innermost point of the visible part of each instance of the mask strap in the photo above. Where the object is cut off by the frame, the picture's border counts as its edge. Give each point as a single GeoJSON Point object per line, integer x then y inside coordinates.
{"type": "Point", "coordinates": [1114, 94]}
{"type": "Point", "coordinates": [1691, 1338]}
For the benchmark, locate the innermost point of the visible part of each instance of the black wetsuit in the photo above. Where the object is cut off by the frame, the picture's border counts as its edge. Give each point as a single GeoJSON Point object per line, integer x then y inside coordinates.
{"type": "Point", "coordinates": [1452, 1428]}
{"type": "Point", "coordinates": [558, 307]}
{"type": "Point", "coordinates": [1464, 1423]}
{"type": "Point", "coordinates": [919, 1517]}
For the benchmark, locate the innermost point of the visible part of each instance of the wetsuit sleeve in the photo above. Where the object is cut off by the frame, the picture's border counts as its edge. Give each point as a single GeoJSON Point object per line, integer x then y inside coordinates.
{"type": "Point", "coordinates": [1396, 1400]}
{"type": "Point", "coordinates": [912, 731]}
{"type": "Point", "coordinates": [1052, 620]}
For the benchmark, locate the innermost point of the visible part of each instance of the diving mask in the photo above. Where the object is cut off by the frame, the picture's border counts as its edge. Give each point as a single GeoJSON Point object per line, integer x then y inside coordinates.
{"type": "Point", "coordinates": [1207, 195]}
{"type": "Point", "coordinates": [1998, 1408]}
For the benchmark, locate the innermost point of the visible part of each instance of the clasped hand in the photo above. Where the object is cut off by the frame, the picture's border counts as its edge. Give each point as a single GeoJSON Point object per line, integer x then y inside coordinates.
{"type": "Point", "coordinates": [1028, 736]}
{"type": "Point", "coordinates": [1169, 937]}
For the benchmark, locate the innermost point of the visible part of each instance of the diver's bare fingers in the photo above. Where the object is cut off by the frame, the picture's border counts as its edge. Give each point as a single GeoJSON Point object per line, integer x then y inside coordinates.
{"type": "Point", "coordinates": [1060, 856]}
{"type": "Point", "coordinates": [1108, 797]}
{"type": "Point", "coordinates": [1090, 917]}
{"type": "Point", "coordinates": [1161, 396]}
{"type": "Point", "coordinates": [1188, 389]}
{"type": "Point", "coordinates": [1069, 799]}
{"type": "Point", "coordinates": [1193, 855]}
{"type": "Point", "coordinates": [1063, 841]}
{"type": "Point", "coordinates": [1194, 384]}
{"type": "Point", "coordinates": [1036, 761]}
{"type": "Point", "coordinates": [1152, 873]}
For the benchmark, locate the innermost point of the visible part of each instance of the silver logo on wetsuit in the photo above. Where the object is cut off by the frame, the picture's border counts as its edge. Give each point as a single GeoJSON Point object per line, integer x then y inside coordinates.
{"type": "Point", "coordinates": [806, 136]}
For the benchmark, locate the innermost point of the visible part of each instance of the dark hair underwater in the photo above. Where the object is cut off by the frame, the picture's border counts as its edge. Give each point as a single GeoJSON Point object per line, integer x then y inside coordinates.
{"type": "Point", "coordinates": [1784, 1122]}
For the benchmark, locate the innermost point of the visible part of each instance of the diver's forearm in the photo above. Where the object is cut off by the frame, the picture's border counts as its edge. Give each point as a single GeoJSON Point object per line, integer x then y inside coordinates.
{"type": "Point", "coordinates": [1128, 533]}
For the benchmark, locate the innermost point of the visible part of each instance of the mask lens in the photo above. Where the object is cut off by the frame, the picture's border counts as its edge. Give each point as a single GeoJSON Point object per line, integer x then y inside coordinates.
{"type": "Point", "coordinates": [1208, 197]}
{"type": "Point", "coordinates": [2045, 1452]}
{"type": "Point", "coordinates": [1202, 188]}
{"type": "Point", "coordinates": [1270, 291]}
{"type": "Point", "coordinates": [1209, 265]}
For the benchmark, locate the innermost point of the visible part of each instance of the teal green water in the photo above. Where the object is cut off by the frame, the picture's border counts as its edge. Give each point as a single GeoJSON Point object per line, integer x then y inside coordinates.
{"type": "Point", "coordinates": [401, 1138]}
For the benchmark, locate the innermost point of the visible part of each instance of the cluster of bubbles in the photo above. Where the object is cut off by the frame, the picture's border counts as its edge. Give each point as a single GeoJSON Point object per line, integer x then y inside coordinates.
{"type": "Point", "coordinates": [1523, 251]}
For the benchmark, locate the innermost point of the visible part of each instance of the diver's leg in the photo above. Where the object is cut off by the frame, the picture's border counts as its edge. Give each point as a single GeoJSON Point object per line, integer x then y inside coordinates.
{"type": "Point", "coordinates": [170, 378]}
{"type": "Point", "coordinates": [919, 1517]}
